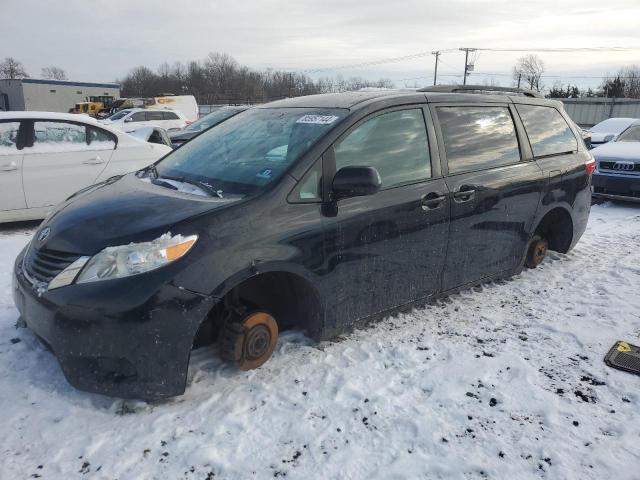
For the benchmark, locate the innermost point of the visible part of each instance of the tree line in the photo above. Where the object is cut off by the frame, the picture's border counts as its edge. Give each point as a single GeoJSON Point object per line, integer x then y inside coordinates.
{"type": "Point", "coordinates": [220, 79]}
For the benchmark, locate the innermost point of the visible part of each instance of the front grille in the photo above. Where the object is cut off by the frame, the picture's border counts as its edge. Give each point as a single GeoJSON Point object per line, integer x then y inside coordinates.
{"type": "Point", "coordinates": [44, 264]}
{"type": "Point", "coordinates": [605, 165]}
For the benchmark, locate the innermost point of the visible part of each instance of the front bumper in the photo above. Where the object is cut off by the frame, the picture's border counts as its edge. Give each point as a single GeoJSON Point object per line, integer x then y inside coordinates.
{"type": "Point", "coordinates": [623, 187]}
{"type": "Point", "coordinates": [128, 338]}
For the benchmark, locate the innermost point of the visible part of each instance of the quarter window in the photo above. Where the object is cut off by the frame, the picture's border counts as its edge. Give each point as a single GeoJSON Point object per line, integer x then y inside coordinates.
{"type": "Point", "coordinates": [548, 132]}
{"type": "Point", "coordinates": [99, 139]}
{"type": "Point", "coordinates": [59, 136]}
{"type": "Point", "coordinates": [9, 137]}
{"type": "Point", "coordinates": [395, 143]}
{"type": "Point", "coordinates": [478, 137]}
{"type": "Point", "coordinates": [310, 187]}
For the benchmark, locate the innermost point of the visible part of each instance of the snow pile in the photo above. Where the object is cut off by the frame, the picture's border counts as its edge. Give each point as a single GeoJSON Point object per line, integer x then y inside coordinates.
{"type": "Point", "coordinates": [505, 381]}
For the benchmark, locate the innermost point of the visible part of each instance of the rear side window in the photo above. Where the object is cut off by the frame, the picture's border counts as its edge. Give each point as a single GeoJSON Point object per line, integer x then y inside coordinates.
{"type": "Point", "coordinates": [154, 115]}
{"type": "Point", "coordinates": [59, 136]}
{"type": "Point", "coordinates": [170, 116]}
{"type": "Point", "coordinates": [478, 137]}
{"type": "Point", "coordinates": [394, 143]}
{"type": "Point", "coordinates": [548, 132]}
{"type": "Point", "coordinates": [9, 137]}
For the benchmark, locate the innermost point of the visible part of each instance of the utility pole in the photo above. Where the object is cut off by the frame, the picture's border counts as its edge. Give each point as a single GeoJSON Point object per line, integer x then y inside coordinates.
{"type": "Point", "coordinates": [519, 78]}
{"type": "Point", "coordinates": [435, 71]}
{"type": "Point", "coordinates": [466, 62]}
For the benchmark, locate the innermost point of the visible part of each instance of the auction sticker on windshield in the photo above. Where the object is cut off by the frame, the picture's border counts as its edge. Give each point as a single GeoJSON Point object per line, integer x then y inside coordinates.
{"type": "Point", "coordinates": [317, 119]}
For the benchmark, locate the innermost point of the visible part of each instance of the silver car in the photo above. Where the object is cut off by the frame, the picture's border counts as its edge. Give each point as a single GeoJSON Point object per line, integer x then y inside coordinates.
{"type": "Point", "coordinates": [617, 174]}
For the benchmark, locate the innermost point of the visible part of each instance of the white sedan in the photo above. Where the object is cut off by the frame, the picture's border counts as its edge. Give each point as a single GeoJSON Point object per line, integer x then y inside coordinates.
{"type": "Point", "coordinates": [45, 157]}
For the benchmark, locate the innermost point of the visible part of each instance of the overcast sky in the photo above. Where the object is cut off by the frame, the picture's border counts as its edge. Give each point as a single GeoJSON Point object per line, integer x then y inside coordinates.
{"type": "Point", "coordinates": [100, 40]}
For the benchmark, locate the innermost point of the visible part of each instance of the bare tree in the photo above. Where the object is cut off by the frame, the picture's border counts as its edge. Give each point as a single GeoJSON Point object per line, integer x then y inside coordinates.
{"type": "Point", "coordinates": [626, 83]}
{"type": "Point", "coordinates": [12, 68]}
{"type": "Point", "coordinates": [54, 73]}
{"type": "Point", "coordinates": [528, 72]}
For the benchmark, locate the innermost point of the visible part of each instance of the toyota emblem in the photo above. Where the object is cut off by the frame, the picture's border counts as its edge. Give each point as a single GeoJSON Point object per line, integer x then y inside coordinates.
{"type": "Point", "coordinates": [44, 233]}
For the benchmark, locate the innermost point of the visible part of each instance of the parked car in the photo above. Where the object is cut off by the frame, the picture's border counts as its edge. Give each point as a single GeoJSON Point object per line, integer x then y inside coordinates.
{"type": "Point", "coordinates": [142, 117]}
{"type": "Point", "coordinates": [608, 130]}
{"type": "Point", "coordinates": [45, 157]}
{"type": "Point", "coordinates": [185, 104]}
{"type": "Point", "coordinates": [206, 122]}
{"type": "Point", "coordinates": [151, 134]}
{"type": "Point", "coordinates": [318, 213]}
{"type": "Point", "coordinates": [617, 174]}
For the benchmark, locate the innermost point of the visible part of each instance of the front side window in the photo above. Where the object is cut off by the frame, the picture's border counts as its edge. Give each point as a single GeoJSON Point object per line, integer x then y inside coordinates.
{"type": "Point", "coordinates": [58, 137]}
{"type": "Point", "coordinates": [548, 132]}
{"type": "Point", "coordinates": [251, 149]}
{"type": "Point", "coordinates": [631, 134]}
{"type": "Point", "coordinates": [394, 143]}
{"type": "Point", "coordinates": [477, 138]}
{"type": "Point", "coordinates": [9, 137]}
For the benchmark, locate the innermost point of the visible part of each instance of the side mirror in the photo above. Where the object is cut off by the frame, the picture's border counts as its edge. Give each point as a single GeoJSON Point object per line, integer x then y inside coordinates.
{"type": "Point", "coordinates": [128, 119]}
{"type": "Point", "coordinates": [356, 182]}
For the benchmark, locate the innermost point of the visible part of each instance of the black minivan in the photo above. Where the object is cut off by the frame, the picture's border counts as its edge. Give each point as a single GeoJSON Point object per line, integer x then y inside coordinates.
{"type": "Point", "coordinates": [316, 212]}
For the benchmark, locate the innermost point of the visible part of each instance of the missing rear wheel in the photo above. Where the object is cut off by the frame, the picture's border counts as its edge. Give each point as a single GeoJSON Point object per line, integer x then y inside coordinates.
{"type": "Point", "coordinates": [536, 251]}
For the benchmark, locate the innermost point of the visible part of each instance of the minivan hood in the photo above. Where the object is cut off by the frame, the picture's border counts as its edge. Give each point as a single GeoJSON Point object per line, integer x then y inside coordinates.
{"type": "Point", "coordinates": [629, 151]}
{"type": "Point", "coordinates": [120, 212]}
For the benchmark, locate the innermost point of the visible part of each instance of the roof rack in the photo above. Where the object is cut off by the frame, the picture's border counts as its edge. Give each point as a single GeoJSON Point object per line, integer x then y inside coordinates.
{"type": "Point", "coordinates": [482, 89]}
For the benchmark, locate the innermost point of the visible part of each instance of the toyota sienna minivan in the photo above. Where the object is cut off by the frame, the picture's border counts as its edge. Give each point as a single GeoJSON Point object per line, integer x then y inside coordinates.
{"type": "Point", "coordinates": [317, 213]}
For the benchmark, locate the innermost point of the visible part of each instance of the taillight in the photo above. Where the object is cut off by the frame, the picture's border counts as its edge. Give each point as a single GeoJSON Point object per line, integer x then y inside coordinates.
{"type": "Point", "coordinates": [590, 166]}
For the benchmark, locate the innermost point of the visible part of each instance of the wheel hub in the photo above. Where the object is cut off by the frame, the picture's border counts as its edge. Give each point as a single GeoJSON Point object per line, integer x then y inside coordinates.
{"type": "Point", "coordinates": [257, 342]}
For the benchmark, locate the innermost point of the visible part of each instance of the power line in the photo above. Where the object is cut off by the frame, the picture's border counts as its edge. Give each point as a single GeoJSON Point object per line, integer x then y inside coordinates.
{"type": "Point", "coordinates": [424, 54]}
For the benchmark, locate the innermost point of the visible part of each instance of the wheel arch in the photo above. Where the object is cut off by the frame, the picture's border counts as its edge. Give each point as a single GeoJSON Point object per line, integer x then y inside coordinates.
{"type": "Point", "coordinates": [557, 227]}
{"type": "Point", "coordinates": [288, 293]}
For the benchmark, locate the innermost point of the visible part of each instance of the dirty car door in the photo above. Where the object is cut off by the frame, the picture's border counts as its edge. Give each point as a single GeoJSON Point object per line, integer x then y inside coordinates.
{"type": "Point", "coordinates": [494, 193]}
{"type": "Point", "coordinates": [387, 249]}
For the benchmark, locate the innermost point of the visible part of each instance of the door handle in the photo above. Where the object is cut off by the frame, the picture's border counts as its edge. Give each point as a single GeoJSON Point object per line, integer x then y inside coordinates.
{"type": "Point", "coordinates": [432, 200]}
{"type": "Point", "coordinates": [97, 160]}
{"type": "Point", "coordinates": [464, 194]}
{"type": "Point", "coordinates": [9, 167]}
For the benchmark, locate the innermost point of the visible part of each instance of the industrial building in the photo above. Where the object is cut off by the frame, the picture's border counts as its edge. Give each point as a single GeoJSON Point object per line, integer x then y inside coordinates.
{"type": "Point", "coordinates": [52, 95]}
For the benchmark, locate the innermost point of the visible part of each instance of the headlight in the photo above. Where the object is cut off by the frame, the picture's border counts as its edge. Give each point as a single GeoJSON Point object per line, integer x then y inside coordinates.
{"type": "Point", "coordinates": [127, 260]}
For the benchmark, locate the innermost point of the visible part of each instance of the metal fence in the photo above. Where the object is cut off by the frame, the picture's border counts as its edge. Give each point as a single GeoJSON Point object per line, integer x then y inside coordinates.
{"type": "Point", "coordinates": [586, 112]}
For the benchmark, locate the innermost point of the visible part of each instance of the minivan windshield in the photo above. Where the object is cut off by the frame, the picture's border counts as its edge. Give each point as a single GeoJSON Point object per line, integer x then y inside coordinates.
{"type": "Point", "coordinates": [250, 150]}
{"type": "Point", "coordinates": [214, 118]}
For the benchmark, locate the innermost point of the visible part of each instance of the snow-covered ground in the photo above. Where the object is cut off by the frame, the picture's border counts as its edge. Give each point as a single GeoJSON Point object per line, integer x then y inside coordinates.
{"type": "Point", "coordinates": [505, 381]}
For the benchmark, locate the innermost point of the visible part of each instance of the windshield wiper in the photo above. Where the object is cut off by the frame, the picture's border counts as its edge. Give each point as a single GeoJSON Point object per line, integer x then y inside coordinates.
{"type": "Point", "coordinates": [201, 185]}
{"type": "Point", "coordinates": [160, 183]}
